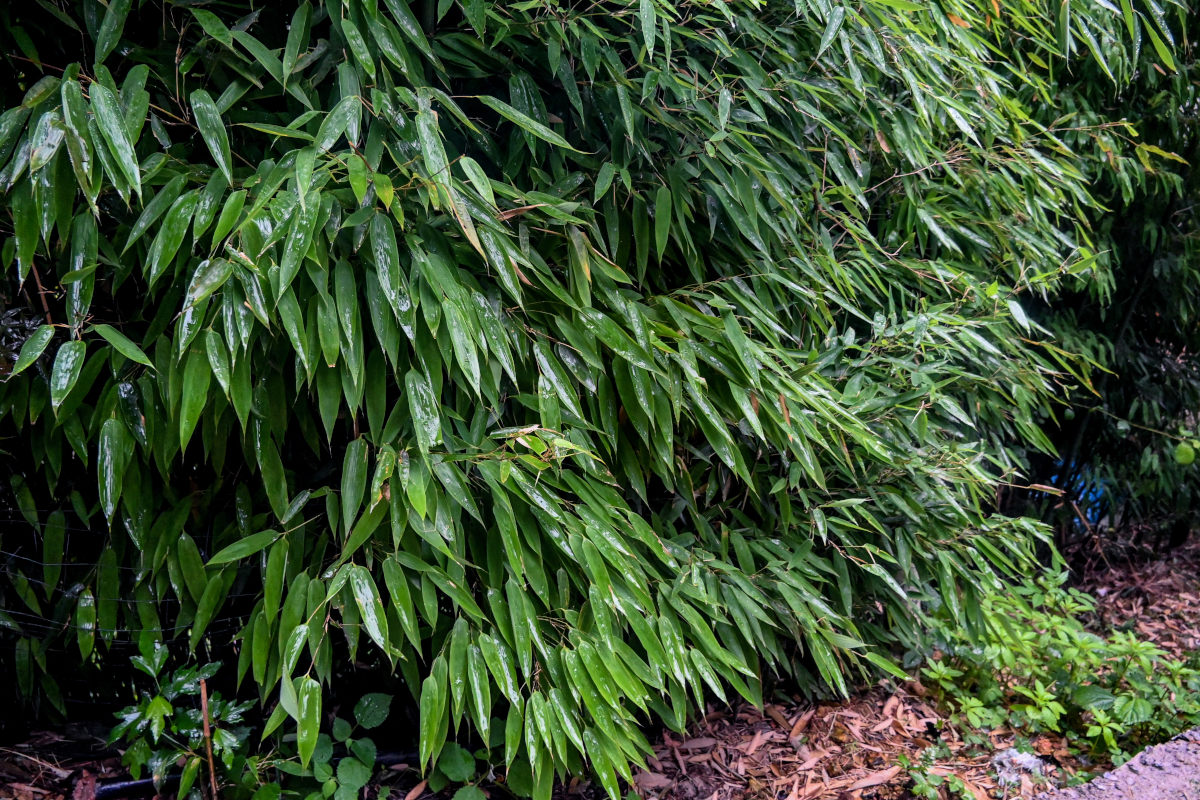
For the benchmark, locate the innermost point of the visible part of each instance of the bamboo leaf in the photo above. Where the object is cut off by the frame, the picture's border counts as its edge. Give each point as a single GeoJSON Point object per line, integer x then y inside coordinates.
{"type": "Point", "coordinates": [212, 130]}
{"type": "Point", "coordinates": [122, 344]}
{"type": "Point", "coordinates": [524, 122]}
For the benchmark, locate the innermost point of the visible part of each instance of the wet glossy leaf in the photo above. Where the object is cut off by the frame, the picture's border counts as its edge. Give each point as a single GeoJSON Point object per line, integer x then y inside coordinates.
{"type": "Point", "coordinates": [308, 717]}
{"type": "Point", "coordinates": [122, 344]}
{"type": "Point", "coordinates": [32, 349]}
{"type": "Point", "coordinates": [336, 122]}
{"type": "Point", "coordinates": [196, 376]}
{"type": "Point", "coordinates": [68, 363]}
{"type": "Point", "coordinates": [113, 454]}
{"type": "Point", "coordinates": [372, 709]}
{"type": "Point", "coordinates": [111, 27]}
{"type": "Point", "coordinates": [525, 122]}
{"type": "Point", "coordinates": [369, 605]}
{"type": "Point", "coordinates": [212, 130]}
{"type": "Point", "coordinates": [110, 121]}
{"type": "Point", "coordinates": [244, 547]}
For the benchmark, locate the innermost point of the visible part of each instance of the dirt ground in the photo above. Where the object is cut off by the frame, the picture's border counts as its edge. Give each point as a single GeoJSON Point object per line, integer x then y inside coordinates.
{"type": "Point", "coordinates": [851, 750]}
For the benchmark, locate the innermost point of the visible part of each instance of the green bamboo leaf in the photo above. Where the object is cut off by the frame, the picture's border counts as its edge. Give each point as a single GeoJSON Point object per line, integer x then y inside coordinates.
{"type": "Point", "coordinates": [213, 26]}
{"type": "Point", "coordinates": [481, 690]}
{"type": "Point", "coordinates": [293, 324]}
{"type": "Point", "coordinates": [212, 130]}
{"type": "Point", "coordinates": [662, 219]}
{"type": "Point", "coordinates": [68, 363]}
{"type": "Point", "coordinates": [387, 264]}
{"type": "Point", "coordinates": [273, 579]}
{"type": "Point", "coordinates": [122, 344]}
{"type": "Point", "coordinates": [196, 376]}
{"type": "Point", "coordinates": [296, 39]}
{"type": "Point", "coordinates": [524, 122]}
{"type": "Point", "coordinates": [308, 717]}
{"type": "Point", "coordinates": [32, 349]}
{"type": "Point", "coordinates": [113, 455]}
{"type": "Point", "coordinates": [328, 329]}
{"type": "Point", "coordinates": [170, 236]}
{"type": "Point", "coordinates": [428, 136]}
{"type": "Point", "coordinates": [649, 21]}
{"type": "Point", "coordinates": [423, 407]}
{"type": "Point", "coordinates": [85, 623]}
{"type": "Point", "coordinates": [478, 178]}
{"type": "Point", "coordinates": [366, 596]}
{"type": "Point", "coordinates": [25, 227]}
{"type": "Point", "coordinates": [206, 205]}
{"type": "Point", "coordinates": [354, 481]}
{"type": "Point", "coordinates": [271, 467]}
{"type": "Point", "coordinates": [336, 122]}
{"type": "Point", "coordinates": [244, 547]}
{"type": "Point", "coordinates": [161, 201]}
{"type": "Point", "coordinates": [206, 606]}
{"type": "Point", "coordinates": [433, 708]}
{"type": "Point", "coordinates": [47, 138]}
{"type": "Point", "coordinates": [1160, 47]}
{"type": "Point", "coordinates": [612, 335]}
{"type": "Point", "coordinates": [218, 359]}
{"type": "Point", "coordinates": [410, 27]}
{"type": "Point", "coordinates": [111, 28]}
{"type": "Point", "coordinates": [299, 239]}
{"type": "Point", "coordinates": [401, 598]}
{"type": "Point", "coordinates": [462, 338]}
{"type": "Point", "coordinates": [191, 566]}
{"type": "Point", "coordinates": [230, 214]}
{"type": "Point", "coordinates": [111, 122]}
{"type": "Point", "coordinates": [836, 18]}
{"type": "Point", "coordinates": [358, 46]}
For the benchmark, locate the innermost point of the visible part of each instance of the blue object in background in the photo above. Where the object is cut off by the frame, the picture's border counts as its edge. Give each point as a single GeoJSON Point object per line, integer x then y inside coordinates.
{"type": "Point", "coordinates": [1090, 494]}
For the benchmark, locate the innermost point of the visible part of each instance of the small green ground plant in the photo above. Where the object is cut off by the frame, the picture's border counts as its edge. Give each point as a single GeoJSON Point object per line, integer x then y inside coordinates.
{"type": "Point", "coordinates": [1041, 670]}
{"type": "Point", "coordinates": [168, 733]}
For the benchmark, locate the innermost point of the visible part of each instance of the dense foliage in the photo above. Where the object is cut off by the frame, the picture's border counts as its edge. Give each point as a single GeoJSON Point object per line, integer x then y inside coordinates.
{"type": "Point", "coordinates": [575, 362]}
{"type": "Point", "coordinates": [1127, 443]}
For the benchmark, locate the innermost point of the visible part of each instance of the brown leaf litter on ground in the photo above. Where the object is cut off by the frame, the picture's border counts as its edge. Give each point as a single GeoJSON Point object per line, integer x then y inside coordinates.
{"type": "Point", "coordinates": [845, 750]}
{"type": "Point", "coordinates": [1156, 596]}
{"type": "Point", "coordinates": [52, 765]}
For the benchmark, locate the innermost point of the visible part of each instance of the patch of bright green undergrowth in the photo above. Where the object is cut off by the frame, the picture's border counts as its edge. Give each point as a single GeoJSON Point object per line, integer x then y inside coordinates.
{"type": "Point", "coordinates": [1041, 671]}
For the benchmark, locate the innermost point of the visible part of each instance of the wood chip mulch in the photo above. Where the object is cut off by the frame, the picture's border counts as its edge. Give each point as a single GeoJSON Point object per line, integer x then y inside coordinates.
{"type": "Point", "coordinates": [1156, 596]}
{"type": "Point", "coordinates": [845, 750]}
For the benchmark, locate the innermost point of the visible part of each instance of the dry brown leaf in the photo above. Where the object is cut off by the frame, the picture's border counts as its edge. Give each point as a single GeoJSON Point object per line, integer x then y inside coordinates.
{"type": "Point", "coordinates": [416, 791]}
{"type": "Point", "coordinates": [774, 713]}
{"type": "Point", "coordinates": [815, 759]}
{"type": "Point", "coordinates": [699, 743]}
{"type": "Point", "coordinates": [876, 779]}
{"type": "Point", "coordinates": [652, 780]}
{"type": "Point", "coordinates": [802, 723]}
{"type": "Point", "coordinates": [756, 742]}
{"type": "Point", "coordinates": [85, 787]}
